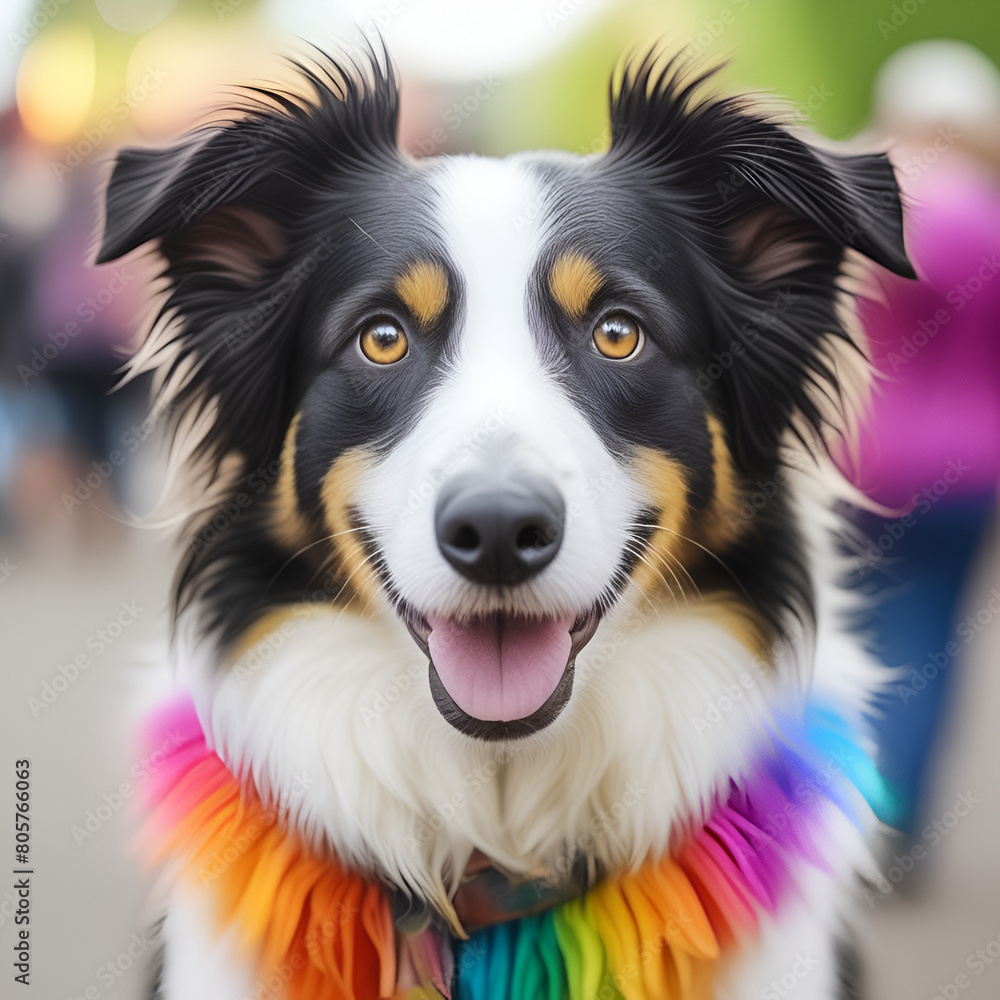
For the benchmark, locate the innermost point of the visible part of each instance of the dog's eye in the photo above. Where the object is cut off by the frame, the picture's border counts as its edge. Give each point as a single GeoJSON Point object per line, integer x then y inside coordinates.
{"type": "Point", "coordinates": [383, 342]}
{"type": "Point", "coordinates": [618, 337]}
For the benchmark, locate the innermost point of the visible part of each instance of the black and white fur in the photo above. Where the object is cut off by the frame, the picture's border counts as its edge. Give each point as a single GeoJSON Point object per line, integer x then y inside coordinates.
{"type": "Point", "coordinates": [724, 234]}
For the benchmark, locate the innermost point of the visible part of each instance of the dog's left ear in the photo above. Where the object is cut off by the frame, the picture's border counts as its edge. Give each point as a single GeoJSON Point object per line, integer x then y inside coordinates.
{"type": "Point", "coordinates": [774, 216]}
{"type": "Point", "coordinates": [741, 161]}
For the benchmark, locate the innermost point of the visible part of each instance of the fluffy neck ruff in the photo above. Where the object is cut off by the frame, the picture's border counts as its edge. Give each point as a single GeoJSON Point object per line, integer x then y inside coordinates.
{"type": "Point", "coordinates": [658, 931]}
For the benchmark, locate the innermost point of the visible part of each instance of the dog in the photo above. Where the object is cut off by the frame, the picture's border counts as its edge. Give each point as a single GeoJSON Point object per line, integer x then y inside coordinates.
{"type": "Point", "coordinates": [508, 652]}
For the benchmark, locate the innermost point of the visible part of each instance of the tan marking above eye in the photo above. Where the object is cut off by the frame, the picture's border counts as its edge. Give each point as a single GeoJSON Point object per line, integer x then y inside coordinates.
{"type": "Point", "coordinates": [423, 288]}
{"type": "Point", "coordinates": [618, 337]}
{"type": "Point", "coordinates": [574, 281]}
{"type": "Point", "coordinates": [383, 341]}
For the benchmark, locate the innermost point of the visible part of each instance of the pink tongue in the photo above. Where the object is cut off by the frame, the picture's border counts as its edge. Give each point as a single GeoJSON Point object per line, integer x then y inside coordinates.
{"type": "Point", "coordinates": [502, 668]}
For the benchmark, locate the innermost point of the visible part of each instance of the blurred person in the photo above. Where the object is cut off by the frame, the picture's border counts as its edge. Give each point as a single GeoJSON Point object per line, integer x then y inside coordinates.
{"type": "Point", "coordinates": [929, 451]}
{"type": "Point", "coordinates": [34, 462]}
{"type": "Point", "coordinates": [63, 325]}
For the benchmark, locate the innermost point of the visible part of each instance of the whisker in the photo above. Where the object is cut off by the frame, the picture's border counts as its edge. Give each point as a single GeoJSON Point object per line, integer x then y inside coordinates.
{"type": "Point", "coordinates": [372, 238]}
{"type": "Point", "coordinates": [672, 559]}
{"type": "Point", "coordinates": [670, 589]}
{"type": "Point", "coordinates": [656, 610]}
{"type": "Point", "coordinates": [640, 543]}
{"type": "Point", "coordinates": [378, 593]}
{"type": "Point", "coordinates": [704, 549]}
{"type": "Point", "coordinates": [364, 562]}
{"type": "Point", "coordinates": [684, 570]}
{"type": "Point", "coordinates": [305, 548]}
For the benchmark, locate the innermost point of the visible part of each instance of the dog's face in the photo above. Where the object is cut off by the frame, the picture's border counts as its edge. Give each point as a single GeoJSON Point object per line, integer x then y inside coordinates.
{"type": "Point", "coordinates": [495, 400]}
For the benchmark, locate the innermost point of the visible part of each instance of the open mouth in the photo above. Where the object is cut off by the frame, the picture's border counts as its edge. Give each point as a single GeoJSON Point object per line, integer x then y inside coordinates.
{"type": "Point", "coordinates": [501, 676]}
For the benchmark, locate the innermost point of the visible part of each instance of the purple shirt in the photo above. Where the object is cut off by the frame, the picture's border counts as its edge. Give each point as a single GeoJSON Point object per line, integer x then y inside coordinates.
{"type": "Point", "coordinates": [936, 412]}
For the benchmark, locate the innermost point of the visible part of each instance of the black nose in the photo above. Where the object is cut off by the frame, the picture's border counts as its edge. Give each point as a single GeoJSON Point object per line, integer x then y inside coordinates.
{"type": "Point", "coordinates": [500, 534]}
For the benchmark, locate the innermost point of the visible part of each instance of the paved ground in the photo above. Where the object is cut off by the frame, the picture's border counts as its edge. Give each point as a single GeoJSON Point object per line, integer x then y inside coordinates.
{"type": "Point", "coordinates": [89, 894]}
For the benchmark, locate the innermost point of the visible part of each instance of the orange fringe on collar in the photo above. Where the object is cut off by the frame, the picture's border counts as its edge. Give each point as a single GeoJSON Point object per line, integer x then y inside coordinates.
{"type": "Point", "coordinates": [307, 922]}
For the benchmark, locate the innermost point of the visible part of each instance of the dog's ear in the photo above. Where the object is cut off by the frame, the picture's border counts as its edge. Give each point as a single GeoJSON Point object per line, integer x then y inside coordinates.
{"type": "Point", "coordinates": [796, 196]}
{"type": "Point", "coordinates": [746, 161]}
{"type": "Point", "coordinates": [253, 167]}
{"type": "Point", "coordinates": [197, 198]}
{"type": "Point", "coordinates": [775, 216]}
{"type": "Point", "coordinates": [235, 211]}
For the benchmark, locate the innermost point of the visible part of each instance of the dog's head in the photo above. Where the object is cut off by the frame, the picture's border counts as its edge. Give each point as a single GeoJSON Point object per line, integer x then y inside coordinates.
{"type": "Point", "coordinates": [494, 399]}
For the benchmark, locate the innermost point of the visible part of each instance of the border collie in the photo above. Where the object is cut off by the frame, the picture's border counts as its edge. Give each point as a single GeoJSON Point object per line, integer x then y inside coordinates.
{"type": "Point", "coordinates": [508, 652]}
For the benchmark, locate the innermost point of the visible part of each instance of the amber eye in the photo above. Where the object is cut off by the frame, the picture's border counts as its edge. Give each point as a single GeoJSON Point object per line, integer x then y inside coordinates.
{"type": "Point", "coordinates": [383, 342]}
{"type": "Point", "coordinates": [618, 337]}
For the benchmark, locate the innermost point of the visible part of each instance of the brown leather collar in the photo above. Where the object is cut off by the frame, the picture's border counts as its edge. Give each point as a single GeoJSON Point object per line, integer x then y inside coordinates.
{"type": "Point", "coordinates": [487, 895]}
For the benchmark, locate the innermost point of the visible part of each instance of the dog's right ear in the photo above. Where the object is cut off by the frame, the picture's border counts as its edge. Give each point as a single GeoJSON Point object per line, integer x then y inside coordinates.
{"type": "Point", "coordinates": [210, 199]}
{"type": "Point", "coordinates": [224, 193]}
{"type": "Point", "coordinates": [233, 209]}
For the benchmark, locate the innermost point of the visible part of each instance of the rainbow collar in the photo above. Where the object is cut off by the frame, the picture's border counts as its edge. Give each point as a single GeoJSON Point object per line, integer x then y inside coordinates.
{"type": "Point", "coordinates": [327, 931]}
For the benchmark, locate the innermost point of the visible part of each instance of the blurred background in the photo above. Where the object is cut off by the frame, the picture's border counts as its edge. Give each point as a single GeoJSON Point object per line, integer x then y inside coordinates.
{"type": "Point", "coordinates": [84, 589]}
